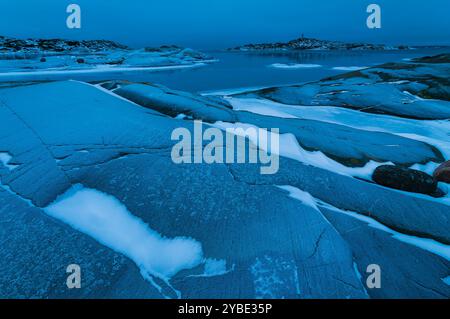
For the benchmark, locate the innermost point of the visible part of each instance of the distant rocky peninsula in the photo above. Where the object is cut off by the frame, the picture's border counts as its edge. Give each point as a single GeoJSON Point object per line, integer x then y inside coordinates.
{"type": "Point", "coordinates": [303, 43]}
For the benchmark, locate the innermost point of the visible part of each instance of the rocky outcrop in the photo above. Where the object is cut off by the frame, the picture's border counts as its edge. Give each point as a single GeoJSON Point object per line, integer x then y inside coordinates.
{"type": "Point", "coordinates": [370, 243]}
{"type": "Point", "coordinates": [361, 146]}
{"type": "Point", "coordinates": [405, 179]}
{"type": "Point", "coordinates": [442, 173]}
{"type": "Point", "coordinates": [115, 138]}
{"type": "Point", "coordinates": [314, 44]}
{"type": "Point", "coordinates": [105, 143]}
{"type": "Point", "coordinates": [409, 90]}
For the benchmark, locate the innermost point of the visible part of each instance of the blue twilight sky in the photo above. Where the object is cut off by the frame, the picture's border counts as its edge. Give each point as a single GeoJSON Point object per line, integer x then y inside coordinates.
{"type": "Point", "coordinates": [209, 24]}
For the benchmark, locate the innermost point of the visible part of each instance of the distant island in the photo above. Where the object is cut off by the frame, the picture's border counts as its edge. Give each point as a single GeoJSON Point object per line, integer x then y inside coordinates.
{"type": "Point", "coordinates": [303, 43]}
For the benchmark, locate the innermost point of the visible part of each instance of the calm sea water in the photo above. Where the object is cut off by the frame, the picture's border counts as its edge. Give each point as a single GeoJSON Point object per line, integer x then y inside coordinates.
{"type": "Point", "coordinates": [249, 70]}
{"type": "Point", "coordinates": [242, 70]}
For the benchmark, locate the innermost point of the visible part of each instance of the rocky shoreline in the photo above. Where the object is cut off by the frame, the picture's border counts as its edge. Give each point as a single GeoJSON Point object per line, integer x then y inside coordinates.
{"type": "Point", "coordinates": [28, 55]}
{"type": "Point", "coordinates": [309, 231]}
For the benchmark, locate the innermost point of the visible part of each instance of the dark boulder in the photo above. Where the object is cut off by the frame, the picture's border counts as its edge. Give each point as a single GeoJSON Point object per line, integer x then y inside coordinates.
{"type": "Point", "coordinates": [80, 60]}
{"type": "Point", "coordinates": [43, 59]}
{"type": "Point", "coordinates": [405, 179]}
{"type": "Point", "coordinates": [442, 173]}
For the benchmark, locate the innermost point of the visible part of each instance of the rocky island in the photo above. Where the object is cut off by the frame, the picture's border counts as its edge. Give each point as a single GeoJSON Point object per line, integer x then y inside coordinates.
{"type": "Point", "coordinates": [303, 43]}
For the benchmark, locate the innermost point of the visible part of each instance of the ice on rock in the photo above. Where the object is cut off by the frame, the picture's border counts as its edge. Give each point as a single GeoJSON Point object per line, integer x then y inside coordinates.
{"type": "Point", "coordinates": [5, 158]}
{"type": "Point", "coordinates": [427, 244]}
{"type": "Point", "coordinates": [290, 148]}
{"type": "Point", "coordinates": [294, 66]}
{"type": "Point", "coordinates": [107, 220]}
{"type": "Point", "coordinates": [446, 280]}
{"type": "Point", "coordinates": [300, 195]}
{"type": "Point", "coordinates": [349, 68]}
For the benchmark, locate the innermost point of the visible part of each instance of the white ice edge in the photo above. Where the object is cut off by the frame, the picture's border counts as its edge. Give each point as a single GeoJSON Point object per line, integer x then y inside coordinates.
{"type": "Point", "coordinates": [294, 66]}
{"type": "Point", "coordinates": [5, 158]}
{"type": "Point", "coordinates": [290, 148]}
{"type": "Point", "coordinates": [446, 280]}
{"type": "Point", "coordinates": [427, 244]}
{"type": "Point", "coordinates": [436, 133]}
{"type": "Point", "coordinates": [104, 218]}
{"type": "Point", "coordinates": [109, 92]}
{"type": "Point", "coordinates": [349, 68]}
{"type": "Point", "coordinates": [98, 70]}
{"type": "Point", "coordinates": [300, 195]}
{"type": "Point", "coordinates": [233, 91]}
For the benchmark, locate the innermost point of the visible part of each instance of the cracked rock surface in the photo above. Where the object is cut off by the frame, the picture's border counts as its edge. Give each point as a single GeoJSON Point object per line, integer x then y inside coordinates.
{"type": "Point", "coordinates": [274, 244]}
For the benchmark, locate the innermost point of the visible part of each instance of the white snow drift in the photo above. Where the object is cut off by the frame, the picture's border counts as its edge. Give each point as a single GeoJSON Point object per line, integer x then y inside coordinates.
{"type": "Point", "coordinates": [107, 220]}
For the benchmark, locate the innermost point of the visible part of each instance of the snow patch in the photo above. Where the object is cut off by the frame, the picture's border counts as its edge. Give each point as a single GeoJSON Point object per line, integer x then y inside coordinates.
{"type": "Point", "coordinates": [258, 106]}
{"type": "Point", "coordinates": [294, 66]}
{"type": "Point", "coordinates": [96, 70]}
{"type": "Point", "coordinates": [233, 91]}
{"type": "Point", "coordinates": [412, 97]}
{"type": "Point", "coordinates": [107, 220]}
{"type": "Point", "coordinates": [101, 88]}
{"type": "Point", "coordinates": [349, 68]}
{"type": "Point", "coordinates": [435, 133]}
{"type": "Point", "coordinates": [428, 168]}
{"type": "Point", "coordinates": [215, 267]}
{"type": "Point", "coordinates": [180, 116]}
{"type": "Point", "coordinates": [300, 195]}
{"type": "Point", "coordinates": [5, 158]}
{"type": "Point", "coordinates": [446, 280]}
{"type": "Point", "coordinates": [290, 148]}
